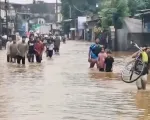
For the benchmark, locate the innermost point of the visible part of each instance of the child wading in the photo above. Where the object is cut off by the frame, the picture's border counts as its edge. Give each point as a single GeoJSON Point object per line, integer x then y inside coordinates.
{"type": "Point", "coordinates": [109, 60]}
{"type": "Point", "coordinates": [101, 60]}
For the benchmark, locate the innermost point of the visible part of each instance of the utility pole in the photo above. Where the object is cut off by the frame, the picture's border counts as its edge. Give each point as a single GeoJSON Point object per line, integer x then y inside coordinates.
{"type": "Point", "coordinates": [0, 25]}
{"type": "Point", "coordinates": [6, 10]}
{"type": "Point", "coordinates": [56, 10]}
{"type": "Point", "coordinates": [70, 12]}
{"type": "Point", "coordinates": [0, 18]}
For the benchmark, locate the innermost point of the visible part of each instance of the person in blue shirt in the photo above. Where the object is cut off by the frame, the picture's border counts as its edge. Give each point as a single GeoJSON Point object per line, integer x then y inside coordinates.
{"type": "Point", "coordinates": [94, 50]}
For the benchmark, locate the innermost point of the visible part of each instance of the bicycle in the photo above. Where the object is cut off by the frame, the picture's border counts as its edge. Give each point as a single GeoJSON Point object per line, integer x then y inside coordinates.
{"type": "Point", "coordinates": [133, 68]}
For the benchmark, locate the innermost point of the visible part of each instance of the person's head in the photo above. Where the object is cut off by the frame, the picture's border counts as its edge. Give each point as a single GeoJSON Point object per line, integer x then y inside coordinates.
{"type": "Point", "coordinates": [109, 53]}
{"type": "Point", "coordinates": [23, 39]}
{"type": "Point", "coordinates": [38, 39]}
{"type": "Point", "coordinates": [14, 41]}
{"type": "Point", "coordinates": [31, 37]}
{"type": "Point", "coordinates": [97, 40]}
{"type": "Point", "coordinates": [10, 38]}
{"type": "Point", "coordinates": [103, 50]}
{"type": "Point", "coordinates": [145, 48]}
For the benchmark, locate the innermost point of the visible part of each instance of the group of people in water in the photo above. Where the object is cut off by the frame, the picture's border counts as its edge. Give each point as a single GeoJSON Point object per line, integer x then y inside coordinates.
{"type": "Point", "coordinates": [98, 55]}
{"type": "Point", "coordinates": [101, 57]}
{"type": "Point", "coordinates": [104, 60]}
{"type": "Point", "coordinates": [17, 51]}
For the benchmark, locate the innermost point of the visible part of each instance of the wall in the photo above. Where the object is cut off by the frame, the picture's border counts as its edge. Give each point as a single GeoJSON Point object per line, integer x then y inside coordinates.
{"type": "Point", "coordinates": [122, 39]}
{"type": "Point", "coordinates": [131, 31]}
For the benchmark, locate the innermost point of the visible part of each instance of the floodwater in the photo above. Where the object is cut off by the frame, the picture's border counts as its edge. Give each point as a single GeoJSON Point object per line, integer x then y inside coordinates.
{"type": "Point", "coordinates": [64, 88]}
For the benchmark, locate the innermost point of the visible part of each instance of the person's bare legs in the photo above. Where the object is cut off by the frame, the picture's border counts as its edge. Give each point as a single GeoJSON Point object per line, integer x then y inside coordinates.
{"type": "Point", "coordinates": [144, 81]}
{"type": "Point", "coordinates": [92, 64]}
{"type": "Point", "coordinates": [139, 84]}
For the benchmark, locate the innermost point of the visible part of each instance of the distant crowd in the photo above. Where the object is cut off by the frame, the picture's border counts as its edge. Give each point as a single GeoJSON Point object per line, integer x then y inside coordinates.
{"type": "Point", "coordinates": [32, 48]}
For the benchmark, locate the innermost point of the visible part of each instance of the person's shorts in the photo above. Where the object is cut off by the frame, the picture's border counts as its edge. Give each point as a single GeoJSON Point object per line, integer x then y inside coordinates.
{"type": "Point", "coordinates": [142, 78]}
{"type": "Point", "coordinates": [92, 62]}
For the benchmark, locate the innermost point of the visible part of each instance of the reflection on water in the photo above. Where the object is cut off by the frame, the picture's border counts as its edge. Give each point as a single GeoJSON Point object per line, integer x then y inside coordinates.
{"type": "Point", "coordinates": [64, 88]}
{"type": "Point", "coordinates": [104, 76]}
{"type": "Point", "coordinates": [143, 104]}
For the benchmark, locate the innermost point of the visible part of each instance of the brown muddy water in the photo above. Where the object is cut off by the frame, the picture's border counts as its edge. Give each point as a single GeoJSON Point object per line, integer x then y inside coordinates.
{"type": "Point", "coordinates": [64, 88]}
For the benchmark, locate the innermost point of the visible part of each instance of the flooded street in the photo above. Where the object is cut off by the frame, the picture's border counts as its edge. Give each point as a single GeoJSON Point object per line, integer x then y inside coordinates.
{"type": "Point", "coordinates": [64, 88]}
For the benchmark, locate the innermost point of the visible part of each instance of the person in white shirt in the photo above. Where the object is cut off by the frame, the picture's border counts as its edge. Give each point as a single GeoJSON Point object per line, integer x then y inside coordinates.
{"type": "Point", "coordinates": [50, 48]}
{"type": "Point", "coordinates": [9, 59]}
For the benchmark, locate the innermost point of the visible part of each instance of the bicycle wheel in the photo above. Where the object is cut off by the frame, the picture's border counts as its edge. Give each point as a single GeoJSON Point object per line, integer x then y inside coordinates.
{"type": "Point", "coordinates": [132, 71]}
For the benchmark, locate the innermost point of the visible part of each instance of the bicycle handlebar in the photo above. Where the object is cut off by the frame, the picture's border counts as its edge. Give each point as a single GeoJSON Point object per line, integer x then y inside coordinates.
{"type": "Point", "coordinates": [136, 45]}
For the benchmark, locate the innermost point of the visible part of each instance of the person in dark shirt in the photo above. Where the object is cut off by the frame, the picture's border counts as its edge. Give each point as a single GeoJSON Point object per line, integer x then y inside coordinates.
{"type": "Point", "coordinates": [109, 60]}
{"type": "Point", "coordinates": [31, 51]}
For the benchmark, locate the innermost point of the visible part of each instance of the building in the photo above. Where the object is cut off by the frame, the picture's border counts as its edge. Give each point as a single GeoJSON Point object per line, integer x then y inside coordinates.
{"type": "Point", "coordinates": [10, 19]}
{"type": "Point", "coordinates": [37, 13]}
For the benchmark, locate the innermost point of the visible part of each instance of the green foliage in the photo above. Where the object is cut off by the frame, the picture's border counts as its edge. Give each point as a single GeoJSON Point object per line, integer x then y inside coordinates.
{"type": "Point", "coordinates": [113, 12]}
{"type": "Point", "coordinates": [135, 5]}
{"type": "Point", "coordinates": [78, 7]}
{"type": "Point", "coordinates": [65, 9]}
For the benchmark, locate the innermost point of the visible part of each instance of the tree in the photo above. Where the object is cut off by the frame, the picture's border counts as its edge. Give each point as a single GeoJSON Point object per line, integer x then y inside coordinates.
{"type": "Point", "coordinates": [135, 5]}
{"type": "Point", "coordinates": [113, 12]}
{"type": "Point", "coordinates": [76, 8]}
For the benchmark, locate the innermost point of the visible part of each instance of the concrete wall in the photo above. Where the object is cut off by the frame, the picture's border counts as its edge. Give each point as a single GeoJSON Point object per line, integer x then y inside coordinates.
{"type": "Point", "coordinates": [122, 36]}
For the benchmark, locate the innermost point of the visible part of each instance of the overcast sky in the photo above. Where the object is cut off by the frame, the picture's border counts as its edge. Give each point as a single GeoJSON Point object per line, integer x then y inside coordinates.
{"type": "Point", "coordinates": [30, 1]}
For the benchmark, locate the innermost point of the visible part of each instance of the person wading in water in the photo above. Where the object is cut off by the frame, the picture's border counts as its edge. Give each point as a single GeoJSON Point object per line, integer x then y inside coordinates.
{"type": "Point", "coordinates": [13, 51]}
{"type": "Point", "coordinates": [57, 44]}
{"type": "Point", "coordinates": [31, 51]}
{"type": "Point", "coordinates": [101, 60]}
{"type": "Point", "coordinates": [39, 48]}
{"type": "Point", "coordinates": [9, 59]}
{"type": "Point", "coordinates": [22, 49]}
{"type": "Point", "coordinates": [142, 81]}
{"type": "Point", "coordinates": [94, 50]}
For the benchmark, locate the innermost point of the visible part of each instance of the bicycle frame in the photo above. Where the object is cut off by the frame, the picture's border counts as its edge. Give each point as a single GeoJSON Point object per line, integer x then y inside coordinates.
{"type": "Point", "coordinates": [135, 68]}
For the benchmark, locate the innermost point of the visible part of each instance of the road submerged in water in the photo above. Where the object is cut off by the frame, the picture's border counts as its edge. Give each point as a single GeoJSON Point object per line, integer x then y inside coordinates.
{"type": "Point", "coordinates": [64, 88]}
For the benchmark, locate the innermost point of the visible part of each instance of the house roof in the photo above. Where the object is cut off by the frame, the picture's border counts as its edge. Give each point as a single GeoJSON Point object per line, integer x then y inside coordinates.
{"type": "Point", "coordinates": [133, 25]}
{"type": "Point", "coordinates": [144, 10]}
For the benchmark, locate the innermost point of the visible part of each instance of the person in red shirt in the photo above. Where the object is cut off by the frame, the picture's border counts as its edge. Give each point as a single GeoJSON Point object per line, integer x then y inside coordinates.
{"type": "Point", "coordinates": [39, 48]}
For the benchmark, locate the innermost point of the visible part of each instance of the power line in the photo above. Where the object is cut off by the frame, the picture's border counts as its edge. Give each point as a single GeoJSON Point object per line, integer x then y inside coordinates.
{"type": "Point", "coordinates": [77, 8]}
